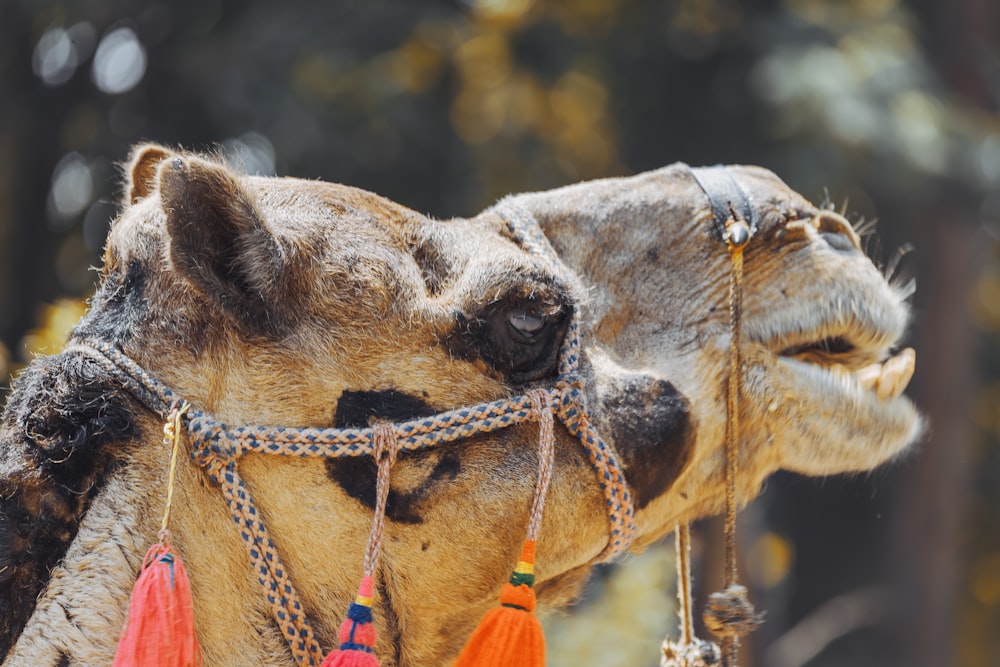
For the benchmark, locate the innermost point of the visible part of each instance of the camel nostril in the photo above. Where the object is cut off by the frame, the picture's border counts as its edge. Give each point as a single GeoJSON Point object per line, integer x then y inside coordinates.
{"type": "Point", "coordinates": [837, 232]}
{"type": "Point", "coordinates": [837, 241]}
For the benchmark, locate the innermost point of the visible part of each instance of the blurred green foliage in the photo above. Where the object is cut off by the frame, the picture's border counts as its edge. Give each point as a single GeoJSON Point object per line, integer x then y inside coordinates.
{"type": "Point", "coordinates": [889, 108]}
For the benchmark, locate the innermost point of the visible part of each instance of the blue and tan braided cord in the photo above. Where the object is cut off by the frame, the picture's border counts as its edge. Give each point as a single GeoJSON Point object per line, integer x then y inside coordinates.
{"type": "Point", "coordinates": [217, 447]}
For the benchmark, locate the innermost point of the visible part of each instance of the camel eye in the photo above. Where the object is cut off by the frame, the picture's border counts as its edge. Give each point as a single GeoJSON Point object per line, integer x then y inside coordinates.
{"type": "Point", "coordinates": [518, 328]}
{"type": "Point", "coordinates": [522, 337]}
{"type": "Point", "coordinates": [518, 336]}
{"type": "Point", "coordinates": [526, 323]}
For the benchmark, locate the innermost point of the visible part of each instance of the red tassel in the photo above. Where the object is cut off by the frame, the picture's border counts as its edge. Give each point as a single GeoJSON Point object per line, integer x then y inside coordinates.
{"type": "Point", "coordinates": [159, 631]}
{"type": "Point", "coordinates": [509, 635]}
{"type": "Point", "coordinates": [357, 633]}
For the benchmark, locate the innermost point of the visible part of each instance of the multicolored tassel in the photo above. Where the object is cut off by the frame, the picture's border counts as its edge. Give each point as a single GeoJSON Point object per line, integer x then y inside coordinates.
{"type": "Point", "coordinates": [357, 632]}
{"type": "Point", "coordinates": [510, 635]}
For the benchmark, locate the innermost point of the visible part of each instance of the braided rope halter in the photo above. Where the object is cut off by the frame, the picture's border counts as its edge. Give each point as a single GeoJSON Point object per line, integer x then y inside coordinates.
{"type": "Point", "coordinates": [729, 613]}
{"type": "Point", "coordinates": [217, 447]}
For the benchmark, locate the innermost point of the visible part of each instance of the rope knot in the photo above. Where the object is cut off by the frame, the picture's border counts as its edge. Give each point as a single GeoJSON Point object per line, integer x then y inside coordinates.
{"type": "Point", "coordinates": [730, 613]}
{"type": "Point", "coordinates": [540, 403]}
{"type": "Point", "coordinates": [698, 653]}
{"type": "Point", "coordinates": [211, 447]}
{"type": "Point", "coordinates": [384, 443]}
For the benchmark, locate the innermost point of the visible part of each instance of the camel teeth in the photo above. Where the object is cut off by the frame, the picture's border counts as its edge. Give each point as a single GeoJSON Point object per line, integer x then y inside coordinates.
{"type": "Point", "coordinates": [888, 380]}
{"type": "Point", "coordinates": [868, 377]}
{"type": "Point", "coordinates": [896, 374]}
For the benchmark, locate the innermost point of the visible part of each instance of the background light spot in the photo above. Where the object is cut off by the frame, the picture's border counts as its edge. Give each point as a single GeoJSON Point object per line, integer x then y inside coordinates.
{"type": "Point", "coordinates": [120, 61]}
{"type": "Point", "coordinates": [72, 187]}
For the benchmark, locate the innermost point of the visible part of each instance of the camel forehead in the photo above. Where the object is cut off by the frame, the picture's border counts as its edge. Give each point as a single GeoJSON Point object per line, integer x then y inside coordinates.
{"type": "Point", "coordinates": [451, 260]}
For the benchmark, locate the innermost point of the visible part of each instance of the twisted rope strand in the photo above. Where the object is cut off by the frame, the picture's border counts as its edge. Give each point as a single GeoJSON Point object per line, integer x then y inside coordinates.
{"type": "Point", "coordinates": [729, 613]}
{"type": "Point", "coordinates": [283, 599]}
{"type": "Point", "coordinates": [134, 378]}
{"type": "Point", "coordinates": [733, 409]}
{"type": "Point", "coordinates": [172, 438]}
{"type": "Point", "coordinates": [385, 444]}
{"type": "Point", "coordinates": [682, 540]}
{"type": "Point", "coordinates": [546, 456]}
{"type": "Point", "coordinates": [731, 642]}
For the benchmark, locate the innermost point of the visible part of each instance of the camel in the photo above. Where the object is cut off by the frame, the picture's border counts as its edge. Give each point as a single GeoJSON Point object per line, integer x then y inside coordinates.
{"type": "Point", "coordinates": [284, 302]}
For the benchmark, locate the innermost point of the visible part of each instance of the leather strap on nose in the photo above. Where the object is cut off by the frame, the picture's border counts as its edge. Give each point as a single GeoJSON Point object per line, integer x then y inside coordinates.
{"type": "Point", "coordinates": [728, 198]}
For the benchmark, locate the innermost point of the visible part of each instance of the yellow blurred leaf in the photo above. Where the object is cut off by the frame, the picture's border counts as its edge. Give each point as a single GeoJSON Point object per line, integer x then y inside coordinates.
{"type": "Point", "coordinates": [986, 580]}
{"type": "Point", "coordinates": [55, 322]}
{"type": "Point", "coordinates": [769, 560]}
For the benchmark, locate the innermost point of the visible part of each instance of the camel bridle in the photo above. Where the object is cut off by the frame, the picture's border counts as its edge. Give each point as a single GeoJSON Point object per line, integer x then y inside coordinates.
{"type": "Point", "coordinates": [216, 447]}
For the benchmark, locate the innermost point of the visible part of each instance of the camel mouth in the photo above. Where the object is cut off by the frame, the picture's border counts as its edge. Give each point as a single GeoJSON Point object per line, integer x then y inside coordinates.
{"type": "Point", "coordinates": [863, 363]}
{"type": "Point", "coordinates": [831, 347]}
{"type": "Point", "coordinates": [849, 346]}
{"type": "Point", "coordinates": [884, 380]}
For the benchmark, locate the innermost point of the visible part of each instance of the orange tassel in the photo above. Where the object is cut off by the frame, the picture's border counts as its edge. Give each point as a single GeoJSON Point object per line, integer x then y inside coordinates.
{"type": "Point", "coordinates": [159, 631]}
{"type": "Point", "coordinates": [510, 635]}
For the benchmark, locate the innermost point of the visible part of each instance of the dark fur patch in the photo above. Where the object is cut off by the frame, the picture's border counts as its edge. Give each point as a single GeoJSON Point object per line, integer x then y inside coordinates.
{"type": "Point", "coordinates": [652, 427]}
{"type": "Point", "coordinates": [359, 409]}
{"type": "Point", "coordinates": [63, 660]}
{"type": "Point", "coordinates": [434, 267]}
{"type": "Point", "coordinates": [357, 475]}
{"type": "Point", "coordinates": [58, 429]}
{"type": "Point", "coordinates": [118, 307]}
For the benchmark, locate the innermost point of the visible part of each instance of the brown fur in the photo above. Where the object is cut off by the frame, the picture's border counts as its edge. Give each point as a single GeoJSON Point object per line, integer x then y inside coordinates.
{"type": "Point", "coordinates": [265, 300]}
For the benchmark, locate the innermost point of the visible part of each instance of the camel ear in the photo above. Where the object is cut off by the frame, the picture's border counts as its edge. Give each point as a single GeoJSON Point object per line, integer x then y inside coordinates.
{"type": "Point", "coordinates": [220, 243]}
{"type": "Point", "coordinates": [142, 167]}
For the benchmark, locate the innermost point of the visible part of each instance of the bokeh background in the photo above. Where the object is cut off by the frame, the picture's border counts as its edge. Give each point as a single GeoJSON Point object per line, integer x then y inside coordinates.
{"type": "Point", "coordinates": [885, 108]}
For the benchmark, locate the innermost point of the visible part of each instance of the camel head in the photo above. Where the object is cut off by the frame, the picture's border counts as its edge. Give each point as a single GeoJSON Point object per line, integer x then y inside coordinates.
{"type": "Point", "coordinates": [284, 302]}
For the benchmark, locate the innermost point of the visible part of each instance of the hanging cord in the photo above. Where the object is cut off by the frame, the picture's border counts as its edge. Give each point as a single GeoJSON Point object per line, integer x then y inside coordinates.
{"type": "Point", "coordinates": [690, 651]}
{"type": "Point", "coordinates": [729, 613]}
{"type": "Point", "coordinates": [386, 448]}
{"type": "Point", "coordinates": [546, 455]}
{"type": "Point", "coordinates": [172, 437]}
{"type": "Point", "coordinates": [357, 633]}
{"type": "Point", "coordinates": [510, 634]}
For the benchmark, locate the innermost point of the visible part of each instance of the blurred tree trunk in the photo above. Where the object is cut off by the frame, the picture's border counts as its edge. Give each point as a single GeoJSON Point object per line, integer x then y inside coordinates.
{"type": "Point", "coordinates": [934, 494]}
{"type": "Point", "coordinates": [31, 117]}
